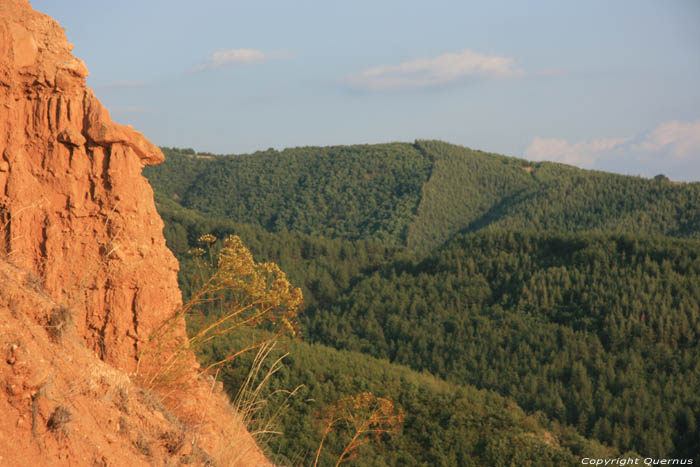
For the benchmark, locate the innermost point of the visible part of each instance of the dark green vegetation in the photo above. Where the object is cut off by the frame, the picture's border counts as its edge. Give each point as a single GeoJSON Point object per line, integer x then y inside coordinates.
{"type": "Point", "coordinates": [349, 192]}
{"type": "Point", "coordinates": [323, 267]}
{"type": "Point", "coordinates": [599, 332]}
{"type": "Point", "coordinates": [471, 190]}
{"type": "Point", "coordinates": [419, 254]}
{"type": "Point", "coordinates": [445, 425]}
{"type": "Point", "coordinates": [420, 194]}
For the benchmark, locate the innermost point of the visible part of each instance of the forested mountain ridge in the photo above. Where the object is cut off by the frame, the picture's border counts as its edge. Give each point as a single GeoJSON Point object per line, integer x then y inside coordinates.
{"type": "Point", "coordinates": [471, 190]}
{"type": "Point", "coordinates": [572, 292]}
{"type": "Point", "coordinates": [482, 427]}
{"type": "Point", "coordinates": [599, 331]}
{"type": "Point", "coordinates": [420, 194]}
{"type": "Point", "coordinates": [340, 191]}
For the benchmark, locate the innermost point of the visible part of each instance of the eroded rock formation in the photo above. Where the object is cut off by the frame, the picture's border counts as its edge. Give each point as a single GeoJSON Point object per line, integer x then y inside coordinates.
{"type": "Point", "coordinates": [74, 206]}
{"type": "Point", "coordinates": [85, 277]}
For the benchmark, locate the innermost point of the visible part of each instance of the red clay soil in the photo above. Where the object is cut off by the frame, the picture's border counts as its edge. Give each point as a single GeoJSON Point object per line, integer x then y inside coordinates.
{"type": "Point", "coordinates": [85, 278]}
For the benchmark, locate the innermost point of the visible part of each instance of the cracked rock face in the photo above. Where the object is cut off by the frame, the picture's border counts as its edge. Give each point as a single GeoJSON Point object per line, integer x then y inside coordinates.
{"type": "Point", "coordinates": [83, 261]}
{"type": "Point", "coordinates": [74, 207]}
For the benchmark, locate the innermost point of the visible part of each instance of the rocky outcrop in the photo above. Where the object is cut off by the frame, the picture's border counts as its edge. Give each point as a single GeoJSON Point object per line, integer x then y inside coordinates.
{"type": "Point", "coordinates": [80, 239]}
{"type": "Point", "coordinates": [74, 206]}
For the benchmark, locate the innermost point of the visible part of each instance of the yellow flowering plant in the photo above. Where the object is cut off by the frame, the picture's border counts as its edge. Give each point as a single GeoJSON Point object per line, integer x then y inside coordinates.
{"type": "Point", "coordinates": [236, 293]}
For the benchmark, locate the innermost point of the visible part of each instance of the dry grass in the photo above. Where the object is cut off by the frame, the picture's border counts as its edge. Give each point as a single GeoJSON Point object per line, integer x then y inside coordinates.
{"type": "Point", "coordinates": [173, 441]}
{"type": "Point", "coordinates": [58, 421]}
{"type": "Point", "coordinates": [259, 413]}
{"type": "Point", "coordinates": [123, 426]}
{"type": "Point", "coordinates": [238, 294]}
{"type": "Point", "coordinates": [200, 457]}
{"type": "Point", "coordinates": [239, 451]}
{"type": "Point", "coordinates": [142, 445]}
{"type": "Point", "coordinates": [60, 322]}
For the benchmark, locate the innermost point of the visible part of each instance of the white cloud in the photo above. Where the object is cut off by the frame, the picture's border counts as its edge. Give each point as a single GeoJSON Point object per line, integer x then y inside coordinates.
{"type": "Point", "coordinates": [672, 148]}
{"type": "Point", "coordinates": [231, 57]}
{"type": "Point", "coordinates": [442, 70]}
{"type": "Point", "coordinates": [680, 140]}
{"type": "Point", "coordinates": [582, 154]}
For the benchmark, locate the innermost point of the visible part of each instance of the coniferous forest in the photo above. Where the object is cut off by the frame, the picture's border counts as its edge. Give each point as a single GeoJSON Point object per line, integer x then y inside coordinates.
{"type": "Point", "coordinates": [518, 313]}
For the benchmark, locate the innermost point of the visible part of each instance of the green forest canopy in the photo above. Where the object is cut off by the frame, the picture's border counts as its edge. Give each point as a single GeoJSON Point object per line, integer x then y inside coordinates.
{"type": "Point", "coordinates": [420, 194]}
{"type": "Point", "coordinates": [592, 322]}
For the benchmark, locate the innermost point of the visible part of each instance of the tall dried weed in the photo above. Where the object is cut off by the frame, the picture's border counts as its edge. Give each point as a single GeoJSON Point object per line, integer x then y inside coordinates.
{"type": "Point", "coordinates": [236, 295]}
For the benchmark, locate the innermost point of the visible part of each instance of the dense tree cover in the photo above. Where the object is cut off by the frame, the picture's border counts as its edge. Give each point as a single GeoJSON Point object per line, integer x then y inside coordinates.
{"type": "Point", "coordinates": [470, 190]}
{"type": "Point", "coordinates": [604, 203]}
{"type": "Point", "coordinates": [420, 194]}
{"type": "Point", "coordinates": [463, 187]}
{"type": "Point", "coordinates": [600, 332]}
{"type": "Point", "coordinates": [181, 168]}
{"type": "Point", "coordinates": [445, 424]}
{"type": "Point", "coordinates": [342, 191]}
{"type": "Point", "coordinates": [594, 330]}
{"type": "Point", "coordinates": [322, 267]}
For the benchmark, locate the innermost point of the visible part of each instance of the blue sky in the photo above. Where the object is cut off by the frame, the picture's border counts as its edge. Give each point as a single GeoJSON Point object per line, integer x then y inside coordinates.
{"type": "Point", "coordinates": [605, 85]}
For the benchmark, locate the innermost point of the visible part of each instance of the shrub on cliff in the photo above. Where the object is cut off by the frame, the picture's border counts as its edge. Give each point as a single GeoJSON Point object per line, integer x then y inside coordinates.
{"type": "Point", "coordinates": [236, 294]}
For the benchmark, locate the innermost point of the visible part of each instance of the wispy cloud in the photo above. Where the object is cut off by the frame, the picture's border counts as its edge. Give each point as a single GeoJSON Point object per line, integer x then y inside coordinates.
{"type": "Point", "coordinates": [581, 154]}
{"type": "Point", "coordinates": [230, 57]}
{"type": "Point", "coordinates": [680, 140]}
{"type": "Point", "coordinates": [442, 70]}
{"type": "Point", "coordinates": [672, 147]}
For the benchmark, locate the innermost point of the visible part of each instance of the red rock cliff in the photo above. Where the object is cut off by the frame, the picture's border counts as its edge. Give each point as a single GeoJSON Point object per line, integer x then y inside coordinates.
{"type": "Point", "coordinates": [81, 242]}
{"type": "Point", "coordinates": [74, 205]}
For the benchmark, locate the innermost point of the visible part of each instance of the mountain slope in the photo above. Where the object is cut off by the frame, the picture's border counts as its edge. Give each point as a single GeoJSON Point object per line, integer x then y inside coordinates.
{"type": "Point", "coordinates": [464, 186]}
{"type": "Point", "coordinates": [593, 322]}
{"type": "Point", "coordinates": [597, 331]}
{"type": "Point", "coordinates": [568, 324]}
{"type": "Point", "coordinates": [324, 267]}
{"type": "Point", "coordinates": [445, 424]}
{"type": "Point", "coordinates": [342, 191]}
{"type": "Point", "coordinates": [421, 194]}
{"type": "Point", "coordinates": [472, 190]}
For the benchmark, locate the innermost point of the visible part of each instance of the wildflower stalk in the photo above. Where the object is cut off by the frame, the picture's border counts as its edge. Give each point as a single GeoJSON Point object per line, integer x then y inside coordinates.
{"type": "Point", "coordinates": [250, 295]}
{"type": "Point", "coordinates": [366, 416]}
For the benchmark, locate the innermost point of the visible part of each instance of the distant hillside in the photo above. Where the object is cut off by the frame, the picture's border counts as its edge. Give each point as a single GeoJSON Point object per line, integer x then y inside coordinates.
{"type": "Point", "coordinates": [472, 190]}
{"type": "Point", "coordinates": [419, 194]}
{"type": "Point", "coordinates": [573, 292]}
{"type": "Point", "coordinates": [445, 424]}
{"type": "Point", "coordinates": [342, 191]}
{"type": "Point", "coordinates": [464, 186]}
{"type": "Point", "coordinates": [323, 267]}
{"type": "Point", "coordinates": [601, 332]}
